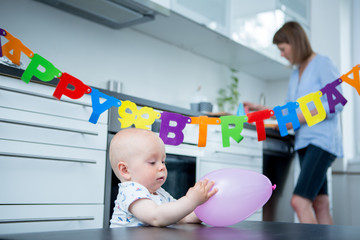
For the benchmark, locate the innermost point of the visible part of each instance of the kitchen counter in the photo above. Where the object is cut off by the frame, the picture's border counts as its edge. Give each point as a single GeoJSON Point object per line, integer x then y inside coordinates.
{"type": "Point", "coordinates": [242, 230]}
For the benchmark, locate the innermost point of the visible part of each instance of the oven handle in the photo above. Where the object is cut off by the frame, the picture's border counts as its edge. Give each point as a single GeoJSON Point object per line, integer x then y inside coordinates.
{"type": "Point", "coordinates": [49, 126]}
{"type": "Point", "coordinates": [237, 154]}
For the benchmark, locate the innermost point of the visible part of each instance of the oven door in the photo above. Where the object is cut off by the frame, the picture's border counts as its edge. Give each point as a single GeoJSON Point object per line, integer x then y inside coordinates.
{"type": "Point", "coordinates": [181, 174]}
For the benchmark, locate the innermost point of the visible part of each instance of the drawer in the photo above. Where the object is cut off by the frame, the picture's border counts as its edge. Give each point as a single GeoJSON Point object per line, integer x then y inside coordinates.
{"type": "Point", "coordinates": [256, 216]}
{"type": "Point", "coordinates": [240, 151]}
{"type": "Point", "coordinates": [206, 167]}
{"type": "Point", "coordinates": [216, 129]}
{"type": "Point", "coordinates": [32, 173]}
{"type": "Point", "coordinates": [236, 159]}
{"type": "Point", "coordinates": [38, 98]}
{"type": "Point", "coordinates": [47, 106]}
{"type": "Point", "coordinates": [249, 141]}
{"type": "Point", "coordinates": [35, 127]}
{"type": "Point", "coordinates": [41, 218]}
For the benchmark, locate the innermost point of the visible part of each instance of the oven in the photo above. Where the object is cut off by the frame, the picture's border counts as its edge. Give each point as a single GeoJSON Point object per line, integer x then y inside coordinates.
{"type": "Point", "coordinates": [278, 166]}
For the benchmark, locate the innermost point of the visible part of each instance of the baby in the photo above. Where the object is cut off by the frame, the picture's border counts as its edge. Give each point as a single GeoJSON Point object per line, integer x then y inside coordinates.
{"type": "Point", "coordinates": [137, 157]}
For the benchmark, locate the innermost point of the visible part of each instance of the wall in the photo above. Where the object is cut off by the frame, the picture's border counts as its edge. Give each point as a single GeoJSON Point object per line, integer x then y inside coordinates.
{"type": "Point", "coordinates": [331, 35]}
{"type": "Point", "coordinates": [356, 60]}
{"type": "Point", "coordinates": [336, 34]}
{"type": "Point", "coordinates": [347, 211]}
{"type": "Point", "coordinates": [147, 67]}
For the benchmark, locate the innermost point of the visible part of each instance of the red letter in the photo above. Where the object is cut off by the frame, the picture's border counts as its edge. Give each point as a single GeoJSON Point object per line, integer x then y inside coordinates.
{"type": "Point", "coordinates": [259, 118]}
{"type": "Point", "coordinates": [62, 88]}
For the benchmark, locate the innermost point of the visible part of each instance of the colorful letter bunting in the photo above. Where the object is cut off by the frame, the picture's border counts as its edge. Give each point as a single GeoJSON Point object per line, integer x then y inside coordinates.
{"type": "Point", "coordinates": [203, 122]}
{"type": "Point", "coordinates": [290, 117]}
{"type": "Point", "coordinates": [2, 33]}
{"type": "Point", "coordinates": [62, 88]}
{"type": "Point", "coordinates": [355, 81]}
{"type": "Point", "coordinates": [136, 117]}
{"type": "Point", "coordinates": [173, 124]}
{"type": "Point", "coordinates": [259, 117]}
{"type": "Point", "coordinates": [233, 131]}
{"type": "Point", "coordinates": [166, 130]}
{"type": "Point", "coordinates": [33, 70]}
{"type": "Point", "coordinates": [15, 46]}
{"type": "Point", "coordinates": [99, 108]}
{"type": "Point", "coordinates": [315, 98]}
{"type": "Point", "coordinates": [333, 95]}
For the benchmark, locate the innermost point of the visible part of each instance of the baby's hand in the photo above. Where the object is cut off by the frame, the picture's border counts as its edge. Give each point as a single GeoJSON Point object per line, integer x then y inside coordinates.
{"type": "Point", "coordinates": [200, 193]}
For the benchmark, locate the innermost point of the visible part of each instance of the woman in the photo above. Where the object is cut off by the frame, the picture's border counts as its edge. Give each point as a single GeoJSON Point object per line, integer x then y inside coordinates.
{"type": "Point", "coordinates": [317, 146]}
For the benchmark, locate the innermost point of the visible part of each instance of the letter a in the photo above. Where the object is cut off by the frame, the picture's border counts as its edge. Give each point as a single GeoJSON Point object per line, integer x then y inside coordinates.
{"type": "Point", "coordinates": [355, 82]}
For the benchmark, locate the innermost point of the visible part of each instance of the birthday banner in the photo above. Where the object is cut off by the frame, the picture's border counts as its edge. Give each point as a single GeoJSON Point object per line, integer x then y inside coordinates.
{"type": "Point", "coordinates": [172, 134]}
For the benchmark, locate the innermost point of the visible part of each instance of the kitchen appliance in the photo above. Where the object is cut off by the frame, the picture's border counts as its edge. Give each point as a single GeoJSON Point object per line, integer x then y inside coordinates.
{"type": "Point", "coordinates": [112, 13]}
{"type": "Point", "coordinates": [278, 166]}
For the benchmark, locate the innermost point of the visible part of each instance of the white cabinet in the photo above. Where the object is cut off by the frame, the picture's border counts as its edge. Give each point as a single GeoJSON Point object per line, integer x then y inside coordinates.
{"type": "Point", "coordinates": [38, 218]}
{"type": "Point", "coordinates": [245, 155]}
{"type": "Point", "coordinates": [198, 30]}
{"type": "Point", "coordinates": [52, 160]}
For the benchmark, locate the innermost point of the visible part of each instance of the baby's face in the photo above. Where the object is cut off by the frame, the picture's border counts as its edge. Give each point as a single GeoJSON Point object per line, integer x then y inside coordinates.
{"type": "Point", "coordinates": [148, 165]}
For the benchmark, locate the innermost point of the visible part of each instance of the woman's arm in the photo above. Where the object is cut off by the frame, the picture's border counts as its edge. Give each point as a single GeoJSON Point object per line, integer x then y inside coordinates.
{"type": "Point", "coordinates": [300, 117]}
{"type": "Point", "coordinates": [254, 107]}
{"type": "Point", "coordinates": [149, 212]}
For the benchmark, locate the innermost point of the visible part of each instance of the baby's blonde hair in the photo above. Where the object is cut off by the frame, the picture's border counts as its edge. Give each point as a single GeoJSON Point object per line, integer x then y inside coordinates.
{"type": "Point", "coordinates": [125, 144]}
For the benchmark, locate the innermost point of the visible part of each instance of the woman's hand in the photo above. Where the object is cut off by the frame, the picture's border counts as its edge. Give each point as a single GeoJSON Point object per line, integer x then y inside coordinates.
{"type": "Point", "coordinates": [253, 107]}
{"type": "Point", "coordinates": [288, 126]}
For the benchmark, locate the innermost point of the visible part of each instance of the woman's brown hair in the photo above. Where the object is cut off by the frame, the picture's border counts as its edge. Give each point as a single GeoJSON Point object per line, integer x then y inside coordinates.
{"type": "Point", "coordinates": [293, 34]}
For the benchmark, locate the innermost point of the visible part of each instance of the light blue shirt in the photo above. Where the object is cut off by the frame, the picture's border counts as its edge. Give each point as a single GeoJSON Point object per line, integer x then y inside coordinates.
{"type": "Point", "coordinates": [326, 134]}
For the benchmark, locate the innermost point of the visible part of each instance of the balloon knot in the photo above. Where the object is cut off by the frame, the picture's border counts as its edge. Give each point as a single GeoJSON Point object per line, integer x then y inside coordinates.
{"type": "Point", "coordinates": [273, 187]}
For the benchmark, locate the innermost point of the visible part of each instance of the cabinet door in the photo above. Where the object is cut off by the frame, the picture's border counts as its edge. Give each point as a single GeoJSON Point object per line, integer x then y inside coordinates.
{"type": "Point", "coordinates": [46, 129]}
{"type": "Point", "coordinates": [206, 166]}
{"type": "Point", "coordinates": [32, 173]}
{"type": "Point", "coordinates": [52, 160]}
{"type": "Point", "coordinates": [38, 218]}
{"type": "Point", "coordinates": [248, 145]}
{"type": "Point", "coordinates": [38, 98]}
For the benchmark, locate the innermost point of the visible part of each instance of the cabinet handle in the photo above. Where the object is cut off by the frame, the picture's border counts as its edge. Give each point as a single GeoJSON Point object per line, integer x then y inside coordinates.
{"type": "Point", "coordinates": [237, 154]}
{"type": "Point", "coordinates": [43, 95]}
{"type": "Point", "coordinates": [55, 219]}
{"type": "Point", "coordinates": [245, 136]}
{"type": "Point", "coordinates": [48, 126]}
{"type": "Point", "coordinates": [47, 157]}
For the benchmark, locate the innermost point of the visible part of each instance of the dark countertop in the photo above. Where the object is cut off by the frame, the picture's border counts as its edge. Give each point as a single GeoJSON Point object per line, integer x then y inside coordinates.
{"type": "Point", "coordinates": [243, 230]}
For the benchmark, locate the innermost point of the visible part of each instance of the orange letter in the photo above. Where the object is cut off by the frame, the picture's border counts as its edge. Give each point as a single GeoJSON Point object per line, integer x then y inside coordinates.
{"type": "Point", "coordinates": [355, 82]}
{"type": "Point", "coordinates": [17, 47]}
{"type": "Point", "coordinates": [203, 121]}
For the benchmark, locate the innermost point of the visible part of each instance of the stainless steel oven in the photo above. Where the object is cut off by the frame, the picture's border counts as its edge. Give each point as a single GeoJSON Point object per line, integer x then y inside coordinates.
{"type": "Point", "coordinates": [278, 166]}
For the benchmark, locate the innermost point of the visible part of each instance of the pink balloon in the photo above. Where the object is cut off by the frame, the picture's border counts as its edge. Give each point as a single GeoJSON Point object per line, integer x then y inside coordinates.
{"type": "Point", "coordinates": [240, 194]}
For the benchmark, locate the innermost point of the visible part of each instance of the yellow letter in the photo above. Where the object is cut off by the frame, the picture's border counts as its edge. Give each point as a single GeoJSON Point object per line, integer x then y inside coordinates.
{"type": "Point", "coordinates": [315, 98]}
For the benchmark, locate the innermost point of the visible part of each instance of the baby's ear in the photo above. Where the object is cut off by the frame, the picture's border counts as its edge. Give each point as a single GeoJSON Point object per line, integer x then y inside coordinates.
{"type": "Point", "coordinates": [123, 170]}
